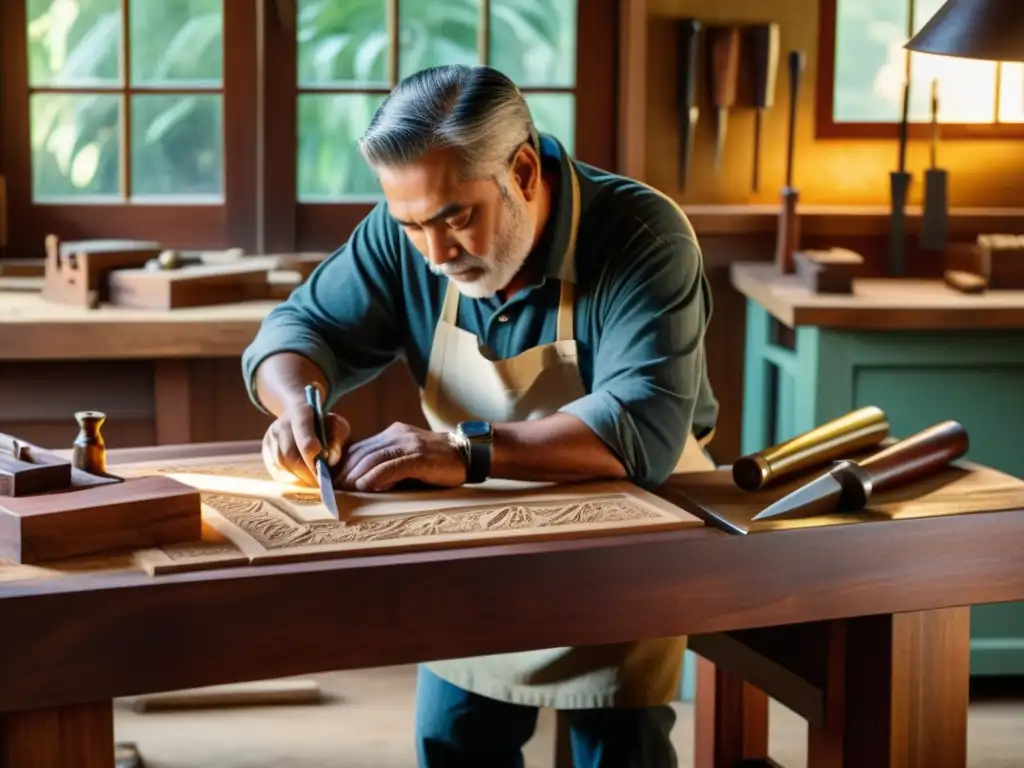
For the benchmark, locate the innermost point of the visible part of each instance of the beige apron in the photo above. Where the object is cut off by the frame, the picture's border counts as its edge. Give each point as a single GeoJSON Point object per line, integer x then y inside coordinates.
{"type": "Point", "coordinates": [464, 383]}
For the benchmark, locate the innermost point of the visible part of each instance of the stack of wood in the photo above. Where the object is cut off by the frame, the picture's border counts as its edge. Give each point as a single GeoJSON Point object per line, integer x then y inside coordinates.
{"type": "Point", "coordinates": [994, 262]}
{"type": "Point", "coordinates": [145, 275]}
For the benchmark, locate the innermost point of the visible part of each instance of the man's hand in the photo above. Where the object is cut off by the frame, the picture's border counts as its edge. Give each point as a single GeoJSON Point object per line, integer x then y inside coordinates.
{"type": "Point", "coordinates": [401, 452]}
{"type": "Point", "coordinates": [290, 445]}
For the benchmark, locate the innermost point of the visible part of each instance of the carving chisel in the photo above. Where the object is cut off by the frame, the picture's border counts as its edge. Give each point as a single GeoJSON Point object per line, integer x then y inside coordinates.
{"type": "Point", "coordinates": [848, 485]}
{"type": "Point", "coordinates": [899, 186]}
{"type": "Point", "coordinates": [689, 112]}
{"type": "Point", "coordinates": [764, 62]}
{"type": "Point", "coordinates": [725, 62]}
{"type": "Point", "coordinates": [936, 186]}
{"type": "Point", "coordinates": [789, 220]}
{"type": "Point", "coordinates": [323, 472]}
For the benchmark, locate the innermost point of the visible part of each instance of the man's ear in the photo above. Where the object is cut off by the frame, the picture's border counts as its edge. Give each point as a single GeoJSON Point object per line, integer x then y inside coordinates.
{"type": "Point", "coordinates": [526, 171]}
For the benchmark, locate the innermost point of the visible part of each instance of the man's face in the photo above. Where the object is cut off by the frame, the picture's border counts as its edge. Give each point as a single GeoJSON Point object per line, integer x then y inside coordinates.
{"type": "Point", "coordinates": [476, 232]}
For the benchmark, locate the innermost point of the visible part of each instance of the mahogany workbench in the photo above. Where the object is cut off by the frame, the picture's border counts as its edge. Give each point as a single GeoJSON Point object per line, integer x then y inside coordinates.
{"type": "Point", "coordinates": [859, 628]}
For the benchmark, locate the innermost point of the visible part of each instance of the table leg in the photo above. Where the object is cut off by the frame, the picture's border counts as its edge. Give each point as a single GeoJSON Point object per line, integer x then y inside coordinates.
{"type": "Point", "coordinates": [900, 695]}
{"type": "Point", "coordinates": [730, 720]}
{"type": "Point", "coordinates": [73, 736]}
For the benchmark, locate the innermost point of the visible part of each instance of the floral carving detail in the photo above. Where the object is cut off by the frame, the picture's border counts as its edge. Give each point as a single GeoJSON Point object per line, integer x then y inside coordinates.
{"type": "Point", "coordinates": [273, 528]}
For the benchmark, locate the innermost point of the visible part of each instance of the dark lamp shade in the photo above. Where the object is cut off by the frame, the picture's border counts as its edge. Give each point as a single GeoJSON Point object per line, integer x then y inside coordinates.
{"type": "Point", "coordinates": [974, 29]}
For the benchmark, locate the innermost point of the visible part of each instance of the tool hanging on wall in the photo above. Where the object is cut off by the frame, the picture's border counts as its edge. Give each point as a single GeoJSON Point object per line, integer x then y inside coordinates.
{"type": "Point", "coordinates": [724, 48]}
{"type": "Point", "coordinates": [936, 188]}
{"type": "Point", "coordinates": [764, 63]}
{"type": "Point", "coordinates": [789, 222]}
{"type": "Point", "coordinates": [899, 185]}
{"type": "Point", "coordinates": [689, 112]}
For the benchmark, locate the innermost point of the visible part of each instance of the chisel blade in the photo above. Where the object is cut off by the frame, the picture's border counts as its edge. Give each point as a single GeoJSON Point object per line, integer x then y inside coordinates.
{"type": "Point", "coordinates": [820, 496]}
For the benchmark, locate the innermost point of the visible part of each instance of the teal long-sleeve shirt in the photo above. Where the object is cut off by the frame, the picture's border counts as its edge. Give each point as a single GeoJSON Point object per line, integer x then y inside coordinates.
{"type": "Point", "coordinates": [642, 306]}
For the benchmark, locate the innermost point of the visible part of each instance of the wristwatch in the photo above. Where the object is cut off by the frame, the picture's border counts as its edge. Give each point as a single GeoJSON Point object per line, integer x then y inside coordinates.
{"type": "Point", "coordinates": [478, 439]}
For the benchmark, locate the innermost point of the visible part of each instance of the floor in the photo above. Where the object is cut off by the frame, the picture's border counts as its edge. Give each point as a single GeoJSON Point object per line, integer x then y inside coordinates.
{"type": "Point", "coordinates": [367, 723]}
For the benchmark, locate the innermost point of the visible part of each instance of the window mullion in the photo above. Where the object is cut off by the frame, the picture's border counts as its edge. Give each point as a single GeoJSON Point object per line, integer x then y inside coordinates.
{"type": "Point", "coordinates": [484, 34]}
{"type": "Point", "coordinates": [126, 102]}
{"type": "Point", "coordinates": [393, 40]}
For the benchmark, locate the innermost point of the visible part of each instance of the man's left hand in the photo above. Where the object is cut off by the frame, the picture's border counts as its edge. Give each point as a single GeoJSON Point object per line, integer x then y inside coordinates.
{"type": "Point", "coordinates": [401, 452]}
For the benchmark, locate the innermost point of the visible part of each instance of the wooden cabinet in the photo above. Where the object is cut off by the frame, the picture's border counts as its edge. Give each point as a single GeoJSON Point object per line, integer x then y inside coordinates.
{"type": "Point", "coordinates": [798, 377]}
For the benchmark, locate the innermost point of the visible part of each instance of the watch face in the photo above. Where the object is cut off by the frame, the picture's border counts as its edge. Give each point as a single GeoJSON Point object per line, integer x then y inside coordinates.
{"type": "Point", "coordinates": [475, 429]}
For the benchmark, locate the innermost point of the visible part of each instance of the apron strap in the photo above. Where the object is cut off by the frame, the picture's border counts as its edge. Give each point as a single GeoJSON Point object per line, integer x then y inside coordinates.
{"type": "Point", "coordinates": [450, 310]}
{"type": "Point", "coordinates": [566, 307]}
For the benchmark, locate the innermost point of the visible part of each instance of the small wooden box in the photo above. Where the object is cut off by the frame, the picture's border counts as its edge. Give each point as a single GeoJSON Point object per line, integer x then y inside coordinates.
{"type": "Point", "coordinates": [138, 513]}
{"type": "Point", "coordinates": [190, 286]}
{"type": "Point", "coordinates": [76, 272]}
{"type": "Point", "coordinates": [831, 271]}
{"type": "Point", "coordinates": [1002, 261]}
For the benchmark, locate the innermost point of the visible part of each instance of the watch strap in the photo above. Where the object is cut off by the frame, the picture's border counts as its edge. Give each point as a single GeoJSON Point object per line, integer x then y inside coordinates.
{"type": "Point", "coordinates": [478, 468]}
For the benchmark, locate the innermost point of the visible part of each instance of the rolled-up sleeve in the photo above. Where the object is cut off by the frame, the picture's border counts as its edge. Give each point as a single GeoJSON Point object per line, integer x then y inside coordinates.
{"type": "Point", "coordinates": [653, 309]}
{"type": "Point", "coordinates": [345, 318]}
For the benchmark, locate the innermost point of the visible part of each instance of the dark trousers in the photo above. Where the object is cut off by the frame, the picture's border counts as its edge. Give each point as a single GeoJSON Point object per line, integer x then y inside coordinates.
{"type": "Point", "coordinates": [459, 729]}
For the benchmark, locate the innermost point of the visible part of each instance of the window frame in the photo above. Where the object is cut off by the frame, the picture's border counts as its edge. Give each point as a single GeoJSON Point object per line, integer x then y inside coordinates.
{"type": "Point", "coordinates": [227, 223]}
{"type": "Point", "coordinates": [826, 127]}
{"type": "Point", "coordinates": [286, 224]}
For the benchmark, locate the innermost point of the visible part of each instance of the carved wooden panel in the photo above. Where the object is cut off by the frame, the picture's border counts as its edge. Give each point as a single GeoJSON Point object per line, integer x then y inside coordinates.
{"type": "Point", "coordinates": [252, 519]}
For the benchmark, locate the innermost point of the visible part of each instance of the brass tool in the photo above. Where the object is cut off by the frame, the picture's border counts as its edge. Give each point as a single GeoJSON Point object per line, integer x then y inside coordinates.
{"type": "Point", "coordinates": [689, 112]}
{"type": "Point", "coordinates": [764, 63]}
{"type": "Point", "coordinates": [789, 220]}
{"type": "Point", "coordinates": [724, 45]}
{"type": "Point", "coordinates": [848, 485]}
{"type": "Point", "coordinates": [832, 440]}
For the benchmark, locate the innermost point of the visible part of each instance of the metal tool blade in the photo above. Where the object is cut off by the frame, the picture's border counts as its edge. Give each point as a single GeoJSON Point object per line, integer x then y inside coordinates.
{"type": "Point", "coordinates": [327, 488]}
{"type": "Point", "coordinates": [820, 496]}
{"type": "Point", "coordinates": [687, 134]}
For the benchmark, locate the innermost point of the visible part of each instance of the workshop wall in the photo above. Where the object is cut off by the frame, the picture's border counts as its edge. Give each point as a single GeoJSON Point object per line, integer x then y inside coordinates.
{"type": "Point", "coordinates": [983, 172]}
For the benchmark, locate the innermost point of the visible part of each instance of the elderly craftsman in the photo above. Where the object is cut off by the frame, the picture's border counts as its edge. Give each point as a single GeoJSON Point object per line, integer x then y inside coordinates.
{"type": "Point", "coordinates": [553, 315]}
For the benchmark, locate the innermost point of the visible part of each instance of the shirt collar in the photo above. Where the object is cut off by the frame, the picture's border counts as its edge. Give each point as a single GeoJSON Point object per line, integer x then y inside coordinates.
{"type": "Point", "coordinates": [556, 250]}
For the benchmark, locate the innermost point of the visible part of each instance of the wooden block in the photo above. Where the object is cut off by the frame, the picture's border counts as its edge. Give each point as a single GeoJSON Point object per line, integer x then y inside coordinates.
{"type": "Point", "coordinates": [965, 282]}
{"type": "Point", "coordinates": [23, 478]}
{"type": "Point", "coordinates": [190, 286]}
{"type": "Point", "coordinates": [76, 272]}
{"type": "Point", "coordinates": [261, 693]}
{"type": "Point", "coordinates": [831, 271]}
{"type": "Point", "coordinates": [1003, 261]}
{"type": "Point", "coordinates": [133, 514]}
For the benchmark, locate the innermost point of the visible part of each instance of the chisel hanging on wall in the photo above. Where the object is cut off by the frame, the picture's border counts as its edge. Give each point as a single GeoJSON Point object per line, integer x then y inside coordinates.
{"type": "Point", "coordinates": [724, 46]}
{"type": "Point", "coordinates": [789, 220]}
{"type": "Point", "coordinates": [763, 41]}
{"type": "Point", "coordinates": [936, 189]}
{"type": "Point", "coordinates": [687, 46]}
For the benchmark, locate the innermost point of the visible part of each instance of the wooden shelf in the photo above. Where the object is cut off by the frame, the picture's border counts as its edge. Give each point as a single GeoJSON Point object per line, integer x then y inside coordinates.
{"type": "Point", "coordinates": [838, 220]}
{"type": "Point", "coordinates": [878, 303]}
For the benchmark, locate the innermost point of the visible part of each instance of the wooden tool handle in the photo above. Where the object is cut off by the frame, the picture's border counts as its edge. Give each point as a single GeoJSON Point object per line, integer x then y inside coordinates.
{"type": "Point", "coordinates": [687, 46]}
{"type": "Point", "coordinates": [764, 62]}
{"type": "Point", "coordinates": [725, 63]}
{"type": "Point", "coordinates": [796, 68]}
{"type": "Point", "coordinates": [917, 456]}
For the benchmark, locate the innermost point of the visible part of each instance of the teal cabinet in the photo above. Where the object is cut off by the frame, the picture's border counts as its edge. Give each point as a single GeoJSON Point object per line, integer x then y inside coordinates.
{"type": "Point", "coordinates": [918, 378]}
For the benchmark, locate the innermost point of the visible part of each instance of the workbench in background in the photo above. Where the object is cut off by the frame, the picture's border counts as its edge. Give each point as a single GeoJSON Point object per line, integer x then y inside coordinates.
{"type": "Point", "coordinates": [916, 349]}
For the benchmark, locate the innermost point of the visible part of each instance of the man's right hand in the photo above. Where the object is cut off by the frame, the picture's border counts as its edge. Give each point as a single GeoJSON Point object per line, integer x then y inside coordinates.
{"type": "Point", "coordinates": [290, 445]}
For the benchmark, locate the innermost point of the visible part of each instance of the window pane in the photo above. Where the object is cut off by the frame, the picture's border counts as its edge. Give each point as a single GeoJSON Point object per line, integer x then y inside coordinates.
{"type": "Point", "coordinates": [433, 33]}
{"type": "Point", "coordinates": [74, 42]}
{"type": "Point", "coordinates": [534, 41]}
{"type": "Point", "coordinates": [176, 145]}
{"type": "Point", "coordinates": [555, 113]}
{"type": "Point", "coordinates": [967, 89]}
{"type": "Point", "coordinates": [330, 166]}
{"type": "Point", "coordinates": [1011, 94]}
{"type": "Point", "coordinates": [176, 43]}
{"type": "Point", "coordinates": [76, 145]}
{"type": "Point", "coordinates": [343, 43]}
{"type": "Point", "coordinates": [869, 67]}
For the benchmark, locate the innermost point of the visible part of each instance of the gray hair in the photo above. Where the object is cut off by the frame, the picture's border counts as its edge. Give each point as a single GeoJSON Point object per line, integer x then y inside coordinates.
{"type": "Point", "coordinates": [477, 111]}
